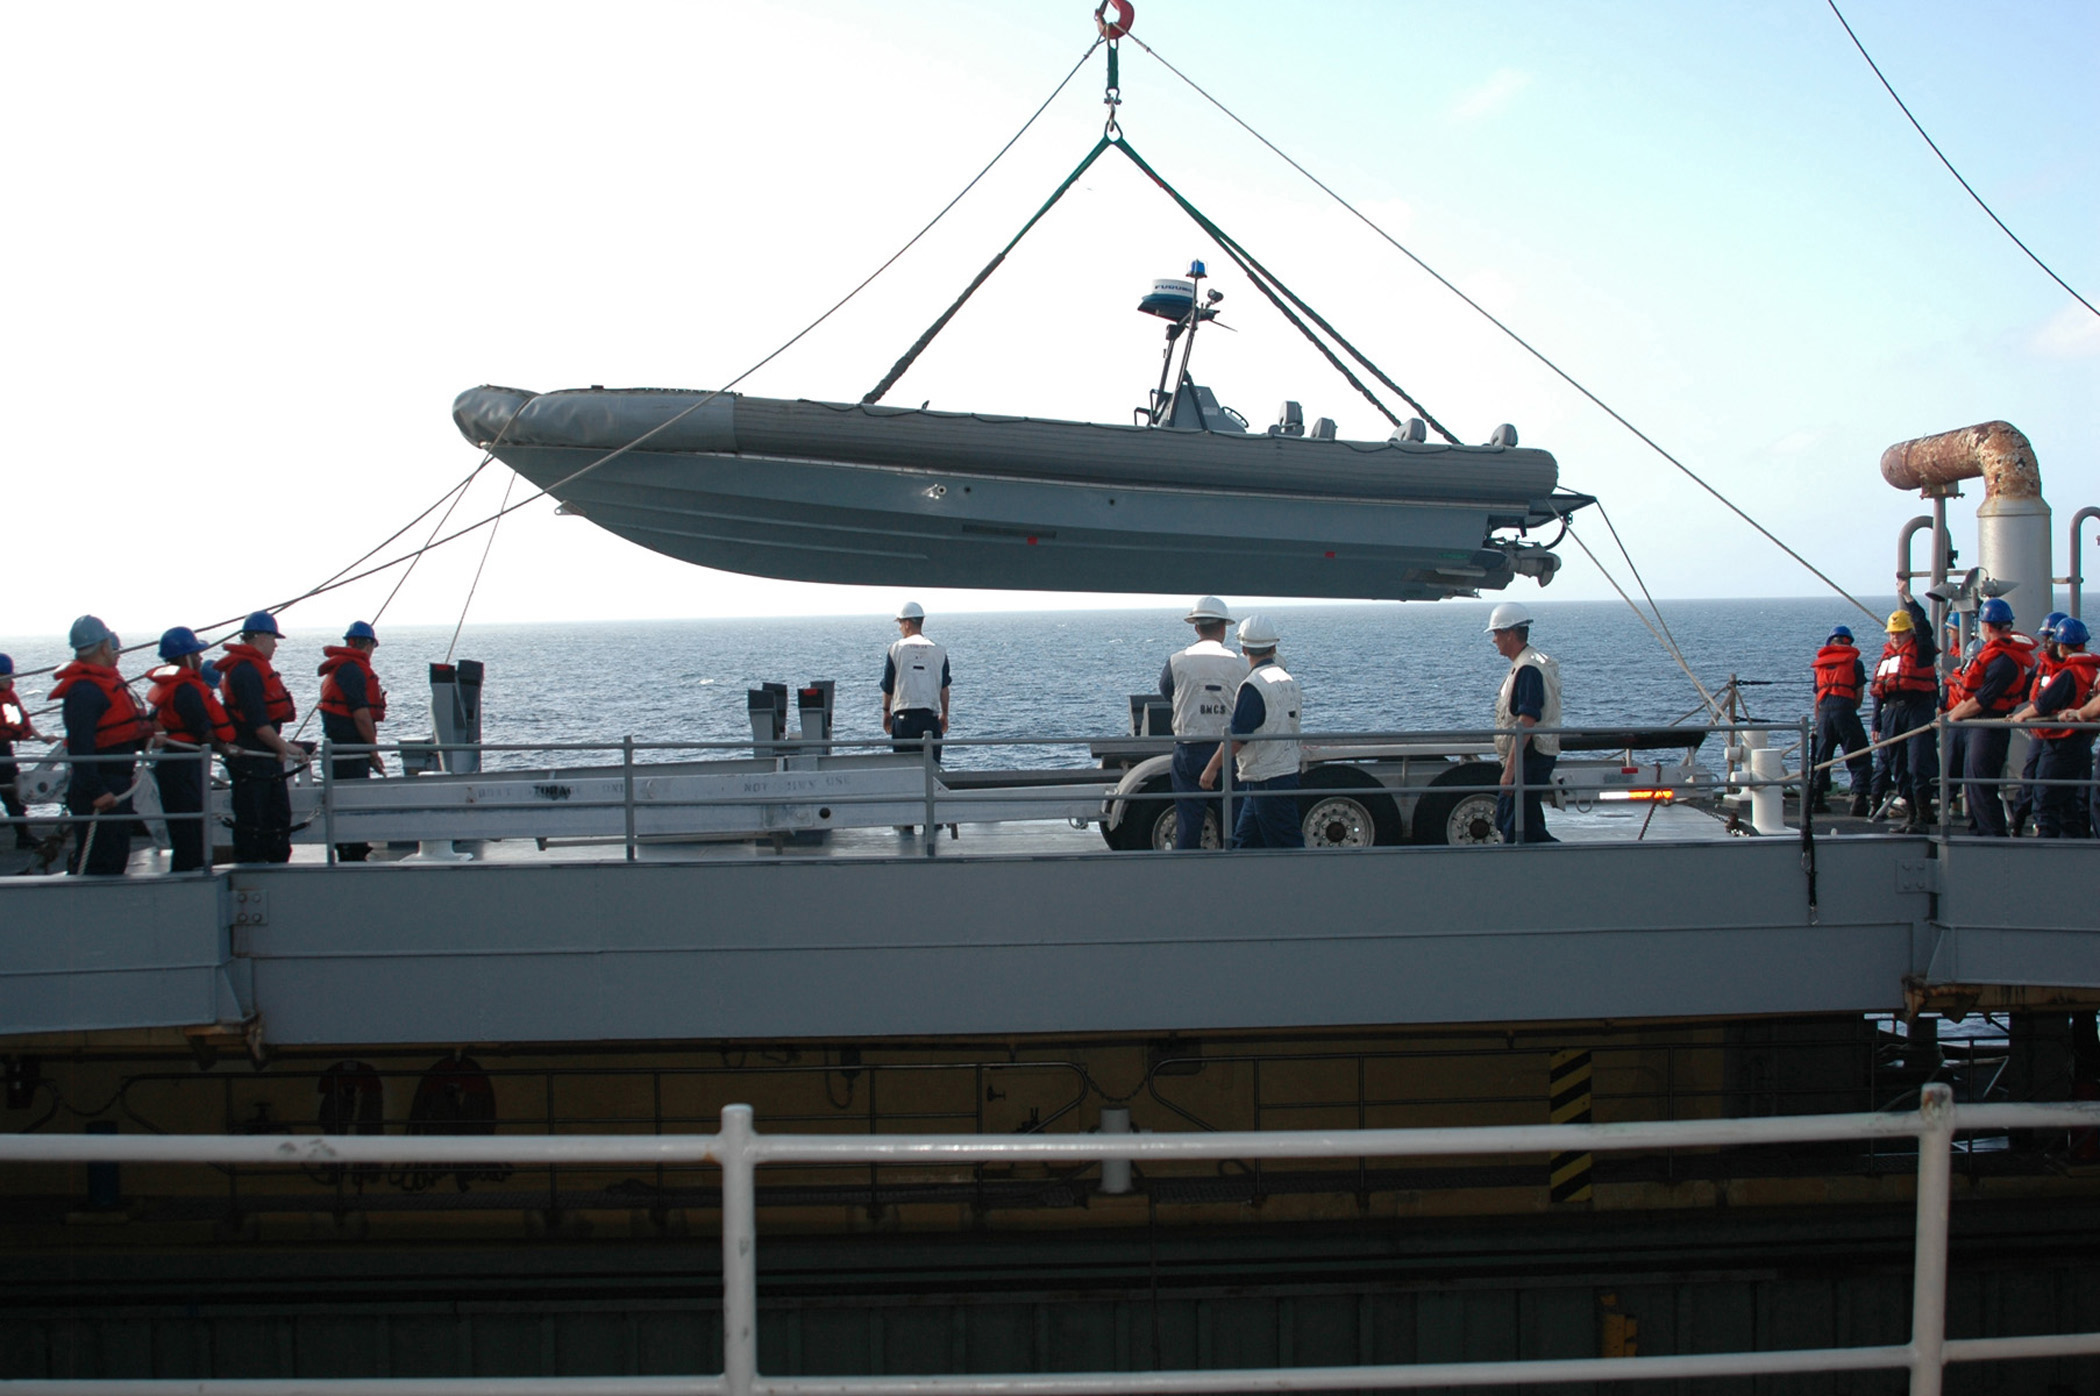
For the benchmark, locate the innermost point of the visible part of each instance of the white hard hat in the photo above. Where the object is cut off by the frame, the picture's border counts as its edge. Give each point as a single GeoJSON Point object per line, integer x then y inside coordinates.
{"type": "Point", "coordinates": [1207, 608]}
{"type": "Point", "coordinates": [1508, 616]}
{"type": "Point", "coordinates": [911, 610]}
{"type": "Point", "coordinates": [1257, 634]}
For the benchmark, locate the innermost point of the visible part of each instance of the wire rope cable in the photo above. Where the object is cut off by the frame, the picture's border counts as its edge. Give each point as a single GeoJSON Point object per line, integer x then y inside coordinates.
{"type": "Point", "coordinates": [475, 585]}
{"type": "Point", "coordinates": [1712, 704]}
{"type": "Point", "coordinates": [1970, 189]}
{"type": "Point", "coordinates": [1650, 442]}
{"type": "Point", "coordinates": [348, 576]}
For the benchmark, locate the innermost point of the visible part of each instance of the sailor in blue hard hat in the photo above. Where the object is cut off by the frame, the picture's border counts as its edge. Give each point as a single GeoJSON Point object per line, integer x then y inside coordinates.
{"type": "Point", "coordinates": [1994, 682]}
{"type": "Point", "coordinates": [191, 724]}
{"type": "Point", "coordinates": [352, 706]}
{"type": "Point", "coordinates": [1841, 681]}
{"type": "Point", "coordinates": [1267, 705]}
{"type": "Point", "coordinates": [1200, 681]}
{"type": "Point", "coordinates": [105, 727]}
{"type": "Point", "coordinates": [915, 676]}
{"type": "Point", "coordinates": [15, 726]}
{"type": "Point", "coordinates": [262, 711]}
{"type": "Point", "coordinates": [2063, 809]}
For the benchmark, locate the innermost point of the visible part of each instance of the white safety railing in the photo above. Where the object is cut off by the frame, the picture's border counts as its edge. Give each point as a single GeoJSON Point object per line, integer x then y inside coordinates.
{"type": "Point", "coordinates": [738, 1150]}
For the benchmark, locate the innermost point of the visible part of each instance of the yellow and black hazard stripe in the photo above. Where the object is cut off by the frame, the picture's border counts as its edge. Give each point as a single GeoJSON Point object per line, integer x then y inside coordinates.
{"type": "Point", "coordinates": [1568, 1088]}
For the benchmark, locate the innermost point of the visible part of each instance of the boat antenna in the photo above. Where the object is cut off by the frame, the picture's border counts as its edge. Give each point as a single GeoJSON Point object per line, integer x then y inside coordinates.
{"type": "Point", "coordinates": [1650, 442]}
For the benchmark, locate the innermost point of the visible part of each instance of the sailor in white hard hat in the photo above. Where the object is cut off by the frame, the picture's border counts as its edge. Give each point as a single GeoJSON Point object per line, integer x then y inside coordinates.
{"type": "Point", "coordinates": [1530, 697]}
{"type": "Point", "coordinates": [1266, 705]}
{"type": "Point", "coordinates": [1201, 681]}
{"type": "Point", "coordinates": [914, 686]}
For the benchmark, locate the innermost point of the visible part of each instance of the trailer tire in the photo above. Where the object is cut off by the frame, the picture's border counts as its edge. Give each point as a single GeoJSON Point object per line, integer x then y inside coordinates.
{"type": "Point", "coordinates": [1344, 818]}
{"type": "Point", "coordinates": [1459, 806]}
{"type": "Point", "coordinates": [1149, 824]}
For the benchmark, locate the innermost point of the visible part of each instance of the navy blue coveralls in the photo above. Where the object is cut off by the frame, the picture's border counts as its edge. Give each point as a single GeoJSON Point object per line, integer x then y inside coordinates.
{"type": "Point", "coordinates": [1985, 750]}
{"type": "Point", "coordinates": [262, 805]}
{"type": "Point", "coordinates": [2062, 811]}
{"type": "Point", "coordinates": [342, 731]}
{"type": "Point", "coordinates": [107, 841]}
{"type": "Point", "coordinates": [180, 779]}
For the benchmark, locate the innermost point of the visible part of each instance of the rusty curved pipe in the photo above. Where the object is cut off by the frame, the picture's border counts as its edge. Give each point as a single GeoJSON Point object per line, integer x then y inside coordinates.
{"type": "Point", "coordinates": [1996, 451]}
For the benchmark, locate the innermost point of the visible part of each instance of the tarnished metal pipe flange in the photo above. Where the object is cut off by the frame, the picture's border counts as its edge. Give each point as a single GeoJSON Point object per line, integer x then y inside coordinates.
{"type": "Point", "coordinates": [1998, 452]}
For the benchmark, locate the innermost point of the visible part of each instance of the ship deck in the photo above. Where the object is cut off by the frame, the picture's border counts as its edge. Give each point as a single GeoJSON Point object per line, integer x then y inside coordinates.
{"type": "Point", "coordinates": [1015, 929]}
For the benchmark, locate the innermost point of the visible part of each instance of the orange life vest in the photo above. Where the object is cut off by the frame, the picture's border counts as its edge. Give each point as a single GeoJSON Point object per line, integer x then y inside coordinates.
{"type": "Point", "coordinates": [2045, 669]}
{"type": "Point", "coordinates": [14, 720]}
{"type": "Point", "coordinates": [278, 707]}
{"type": "Point", "coordinates": [2084, 670]}
{"type": "Point", "coordinates": [122, 723]}
{"type": "Point", "coordinates": [2020, 649]}
{"type": "Point", "coordinates": [1899, 672]}
{"type": "Point", "coordinates": [332, 700]}
{"type": "Point", "coordinates": [1837, 673]}
{"type": "Point", "coordinates": [169, 678]}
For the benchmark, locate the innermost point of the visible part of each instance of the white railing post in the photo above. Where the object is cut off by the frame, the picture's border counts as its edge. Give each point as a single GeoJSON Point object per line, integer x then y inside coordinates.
{"type": "Point", "coordinates": [1928, 1313]}
{"type": "Point", "coordinates": [627, 789]}
{"type": "Point", "coordinates": [739, 1253]}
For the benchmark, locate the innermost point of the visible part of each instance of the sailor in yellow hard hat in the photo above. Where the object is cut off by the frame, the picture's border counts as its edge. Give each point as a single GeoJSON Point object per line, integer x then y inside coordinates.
{"type": "Point", "coordinates": [1906, 693]}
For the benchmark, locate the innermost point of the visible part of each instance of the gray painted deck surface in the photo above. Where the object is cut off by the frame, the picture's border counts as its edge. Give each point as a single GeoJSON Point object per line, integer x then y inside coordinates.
{"type": "Point", "coordinates": [891, 943]}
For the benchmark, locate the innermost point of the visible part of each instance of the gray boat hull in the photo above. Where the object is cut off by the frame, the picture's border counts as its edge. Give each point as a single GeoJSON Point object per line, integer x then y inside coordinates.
{"type": "Point", "coordinates": [826, 493]}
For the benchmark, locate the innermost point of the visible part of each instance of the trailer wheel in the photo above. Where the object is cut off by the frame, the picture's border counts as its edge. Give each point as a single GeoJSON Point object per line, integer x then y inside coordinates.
{"type": "Point", "coordinates": [1353, 813]}
{"type": "Point", "coordinates": [1459, 807]}
{"type": "Point", "coordinates": [1150, 821]}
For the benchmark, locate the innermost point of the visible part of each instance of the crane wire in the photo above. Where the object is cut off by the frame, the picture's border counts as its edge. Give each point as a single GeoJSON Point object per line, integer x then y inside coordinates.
{"type": "Point", "coordinates": [1713, 705]}
{"type": "Point", "coordinates": [348, 576]}
{"type": "Point", "coordinates": [475, 585]}
{"type": "Point", "coordinates": [1650, 442]}
{"type": "Point", "coordinates": [1966, 186]}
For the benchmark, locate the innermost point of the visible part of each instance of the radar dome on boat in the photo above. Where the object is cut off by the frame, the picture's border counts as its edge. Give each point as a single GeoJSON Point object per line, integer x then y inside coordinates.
{"type": "Point", "coordinates": [1170, 299]}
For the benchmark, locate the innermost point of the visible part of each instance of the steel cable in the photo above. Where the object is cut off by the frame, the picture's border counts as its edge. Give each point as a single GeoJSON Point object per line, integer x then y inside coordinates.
{"type": "Point", "coordinates": [1970, 190]}
{"type": "Point", "coordinates": [1518, 339]}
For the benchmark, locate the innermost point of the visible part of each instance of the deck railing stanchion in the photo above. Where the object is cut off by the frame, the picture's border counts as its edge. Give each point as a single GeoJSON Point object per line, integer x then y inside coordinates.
{"type": "Point", "coordinates": [930, 830]}
{"type": "Point", "coordinates": [739, 1253]}
{"type": "Point", "coordinates": [204, 821]}
{"type": "Point", "coordinates": [627, 789]}
{"type": "Point", "coordinates": [1928, 1316]}
{"type": "Point", "coordinates": [1226, 768]}
{"type": "Point", "coordinates": [327, 795]}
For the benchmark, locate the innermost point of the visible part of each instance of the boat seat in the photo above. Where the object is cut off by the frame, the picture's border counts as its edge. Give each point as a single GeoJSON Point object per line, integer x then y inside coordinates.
{"type": "Point", "coordinates": [1323, 430]}
{"type": "Point", "coordinates": [1290, 420]}
{"type": "Point", "coordinates": [1413, 429]}
{"type": "Point", "coordinates": [1505, 435]}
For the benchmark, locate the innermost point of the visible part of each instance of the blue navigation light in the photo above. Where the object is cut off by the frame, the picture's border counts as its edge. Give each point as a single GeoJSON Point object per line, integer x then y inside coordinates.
{"type": "Point", "coordinates": [1196, 269]}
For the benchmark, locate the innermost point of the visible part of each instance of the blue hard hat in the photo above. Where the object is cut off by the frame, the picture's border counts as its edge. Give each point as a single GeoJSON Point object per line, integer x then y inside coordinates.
{"type": "Point", "coordinates": [88, 632]}
{"type": "Point", "coordinates": [2049, 624]}
{"type": "Point", "coordinates": [361, 630]}
{"type": "Point", "coordinates": [209, 672]}
{"type": "Point", "coordinates": [179, 641]}
{"type": "Point", "coordinates": [7, 666]}
{"type": "Point", "coordinates": [260, 623]}
{"type": "Point", "coordinates": [1996, 611]}
{"type": "Point", "coordinates": [2071, 632]}
{"type": "Point", "coordinates": [1842, 632]}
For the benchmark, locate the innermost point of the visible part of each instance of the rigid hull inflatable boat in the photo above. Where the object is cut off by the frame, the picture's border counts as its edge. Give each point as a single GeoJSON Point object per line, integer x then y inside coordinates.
{"type": "Point", "coordinates": [830, 492]}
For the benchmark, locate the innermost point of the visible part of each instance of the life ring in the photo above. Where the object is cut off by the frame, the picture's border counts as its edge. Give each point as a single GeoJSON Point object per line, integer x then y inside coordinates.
{"type": "Point", "coordinates": [1126, 14]}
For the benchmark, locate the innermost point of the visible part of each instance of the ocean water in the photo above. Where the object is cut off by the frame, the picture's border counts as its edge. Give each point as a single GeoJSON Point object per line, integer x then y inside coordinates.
{"type": "Point", "coordinates": [1385, 667]}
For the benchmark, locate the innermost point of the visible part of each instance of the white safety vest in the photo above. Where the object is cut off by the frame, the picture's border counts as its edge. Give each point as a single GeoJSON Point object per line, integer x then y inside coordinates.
{"type": "Point", "coordinates": [1280, 702]}
{"type": "Point", "coordinates": [917, 664]}
{"type": "Point", "coordinates": [1549, 715]}
{"type": "Point", "coordinates": [1206, 676]}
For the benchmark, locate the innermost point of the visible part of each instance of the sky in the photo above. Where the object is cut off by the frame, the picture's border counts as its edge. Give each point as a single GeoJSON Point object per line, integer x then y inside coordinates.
{"type": "Point", "coordinates": [253, 252]}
